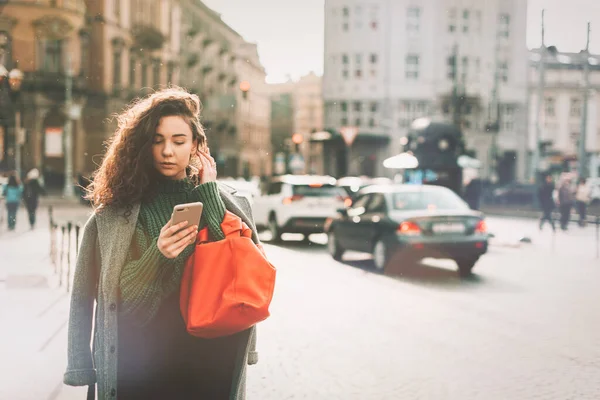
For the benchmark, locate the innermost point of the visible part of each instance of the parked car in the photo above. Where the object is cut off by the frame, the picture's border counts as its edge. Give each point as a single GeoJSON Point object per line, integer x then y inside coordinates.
{"type": "Point", "coordinates": [298, 204]}
{"type": "Point", "coordinates": [248, 189]}
{"type": "Point", "coordinates": [401, 224]}
{"type": "Point", "coordinates": [515, 193]}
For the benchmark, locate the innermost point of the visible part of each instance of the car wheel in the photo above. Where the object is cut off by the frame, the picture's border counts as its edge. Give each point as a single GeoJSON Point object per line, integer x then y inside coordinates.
{"type": "Point", "coordinates": [465, 266]}
{"type": "Point", "coordinates": [334, 247]}
{"type": "Point", "coordinates": [381, 256]}
{"type": "Point", "coordinates": [274, 229]}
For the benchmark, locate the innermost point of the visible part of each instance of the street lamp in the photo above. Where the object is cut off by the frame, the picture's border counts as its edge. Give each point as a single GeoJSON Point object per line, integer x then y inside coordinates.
{"type": "Point", "coordinates": [15, 79]}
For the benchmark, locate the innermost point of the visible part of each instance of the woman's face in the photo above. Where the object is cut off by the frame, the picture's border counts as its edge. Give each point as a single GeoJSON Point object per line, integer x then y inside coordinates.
{"type": "Point", "coordinates": [172, 147]}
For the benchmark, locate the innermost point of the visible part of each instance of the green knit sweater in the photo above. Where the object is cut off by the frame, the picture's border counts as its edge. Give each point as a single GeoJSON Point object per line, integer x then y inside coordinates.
{"type": "Point", "coordinates": [148, 277]}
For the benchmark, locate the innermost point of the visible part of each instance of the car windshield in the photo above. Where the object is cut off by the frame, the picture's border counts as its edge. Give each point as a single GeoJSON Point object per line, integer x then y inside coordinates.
{"type": "Point", "coordinates": [319, 190]}
{"type": "Point", "coordinates": [428, 200]}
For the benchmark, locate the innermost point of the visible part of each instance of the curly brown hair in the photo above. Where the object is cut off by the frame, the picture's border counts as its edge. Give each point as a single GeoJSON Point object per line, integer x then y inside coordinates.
{"type": "Point", "coordinates": [127, 174]}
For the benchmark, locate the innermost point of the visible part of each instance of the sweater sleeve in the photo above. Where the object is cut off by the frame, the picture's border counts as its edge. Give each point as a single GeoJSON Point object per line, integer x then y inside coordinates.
{"type": "Point", "coordinates": [142, 282]}
{"type": "Point", "coordinates": [214, 209]}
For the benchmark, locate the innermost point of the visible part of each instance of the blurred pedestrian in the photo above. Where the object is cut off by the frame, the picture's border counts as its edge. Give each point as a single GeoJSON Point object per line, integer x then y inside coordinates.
{"type": "Point", "coordinates": [13, 193]}
{"type": "Point", "coordinates": [546, 199]}
{"type": "Point", "coordinates": [582, 199]}
{"type": "Point", "coordinates": [32, 191]}
{"type": "Point", "coordinates": [158, 158]}
{"type": "Point", "coordinates": [473, 193]}
{"type": "Point", "coordinates": [566, 199]}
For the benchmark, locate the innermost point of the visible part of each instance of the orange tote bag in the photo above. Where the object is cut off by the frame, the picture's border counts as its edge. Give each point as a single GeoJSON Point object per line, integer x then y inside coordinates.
{"type": "Point", "coordinates": [227, 285]}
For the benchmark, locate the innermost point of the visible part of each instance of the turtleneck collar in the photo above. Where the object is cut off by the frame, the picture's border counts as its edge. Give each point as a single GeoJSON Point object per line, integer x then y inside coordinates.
{"type": "Point", "coordinates": [174, 186]}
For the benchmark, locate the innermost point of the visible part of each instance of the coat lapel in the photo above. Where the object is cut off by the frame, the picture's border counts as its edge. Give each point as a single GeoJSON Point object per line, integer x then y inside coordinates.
{"type": "Point", "coordinates": [114, 235]}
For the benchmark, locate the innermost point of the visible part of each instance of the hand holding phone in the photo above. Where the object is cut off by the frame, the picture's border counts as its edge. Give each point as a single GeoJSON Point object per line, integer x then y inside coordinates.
{"type": "Point", "coordinates": [181, 230]}
{"type": "Point", "coordinates": [190, 212]}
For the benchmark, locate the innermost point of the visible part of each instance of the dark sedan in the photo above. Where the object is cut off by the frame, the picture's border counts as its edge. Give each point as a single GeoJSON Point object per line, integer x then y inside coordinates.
{"type": "Point", "coordinates": [401, 224]}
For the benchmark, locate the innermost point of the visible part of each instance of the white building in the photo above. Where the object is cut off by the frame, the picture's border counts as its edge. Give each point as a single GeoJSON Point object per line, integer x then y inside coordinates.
{"type": "Point", "coordinates": [388, 62]}
{"type": "Point", "coordinates": [561, 112]}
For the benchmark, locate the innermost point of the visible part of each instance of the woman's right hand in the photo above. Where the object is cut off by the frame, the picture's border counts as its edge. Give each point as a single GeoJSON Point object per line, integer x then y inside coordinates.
{"type": "Point", "coordinates": [174, 239]}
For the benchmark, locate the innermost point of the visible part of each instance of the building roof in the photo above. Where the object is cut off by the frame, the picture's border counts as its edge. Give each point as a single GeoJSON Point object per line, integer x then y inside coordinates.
{"type": "Point", "coordinates": [555, 59]}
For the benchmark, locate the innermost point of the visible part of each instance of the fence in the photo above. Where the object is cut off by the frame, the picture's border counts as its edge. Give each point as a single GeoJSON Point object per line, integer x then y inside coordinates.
{"type": "Point", "coordinates": [64, 247]}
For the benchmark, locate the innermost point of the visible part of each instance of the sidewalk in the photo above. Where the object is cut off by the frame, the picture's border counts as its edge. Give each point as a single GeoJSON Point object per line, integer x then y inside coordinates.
{"type": "Point", "coordinates": [34, 311]}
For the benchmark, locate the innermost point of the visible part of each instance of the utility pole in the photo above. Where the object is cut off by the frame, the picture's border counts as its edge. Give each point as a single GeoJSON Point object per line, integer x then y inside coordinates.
{"type": "Point", "coordinates": [456, 93]}
{"type": "Point", "coordinates": [540, 101]}
{"type": "Point", "coordinates": [68, 190]}
{"type": "Point", "coordinates": [494, 116]}
{"type": "Point", "coordinates": [582, 170]}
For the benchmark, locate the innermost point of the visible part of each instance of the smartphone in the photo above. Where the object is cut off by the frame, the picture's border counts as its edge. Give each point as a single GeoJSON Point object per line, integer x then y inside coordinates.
{"type": "Point", "coordinates": [190, 212]}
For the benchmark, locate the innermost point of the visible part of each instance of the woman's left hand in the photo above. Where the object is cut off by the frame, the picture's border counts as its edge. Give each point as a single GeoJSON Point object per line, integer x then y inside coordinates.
{"type": "Point", "coordinates": [208, 172]}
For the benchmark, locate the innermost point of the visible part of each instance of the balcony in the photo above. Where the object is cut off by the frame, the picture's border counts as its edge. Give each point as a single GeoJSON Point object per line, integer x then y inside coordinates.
{"type": "Point", "coordinates": [147, 37]}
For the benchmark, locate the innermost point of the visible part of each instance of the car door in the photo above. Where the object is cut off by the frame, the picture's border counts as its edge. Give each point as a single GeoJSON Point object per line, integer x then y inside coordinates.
{"type": "Point", "coordinates": [350, 228]}
{"type": "Point", "coordinates": [372, 222]}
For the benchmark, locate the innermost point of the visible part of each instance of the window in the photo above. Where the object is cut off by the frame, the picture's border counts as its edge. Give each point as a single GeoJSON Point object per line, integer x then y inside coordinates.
{"type": "Point", "coordinates": [84, 41]}
{"type": "Point", "coordinates": [359, 206]}
{"type": "Point", "coordinates": [117, 8]}
{"type": "Point", "coordinates": [346, 15]}
{"type": "Point", "coordinates": [275, 188]}
{"type": "Point", "coordinates": [451, 63]}
{"type": "Point", "coordinates": [575, 108]}
{"type": "Point", "coordinates": [345, 74]}
{"type": "Point", "coordinates": [5, 49]}
{"type": "Point", "coordinates": [358, 58]}
{"type": "Point", "coordinates": [374, 17]}
{"type": "Point", "coordinates": [357, 106]}
{"type": "Point", "coordinates": [357, 122]}
{"type": "Point", "coordinates": [465, 69]}
{"type": "Point", "coordinates": [372, 122]}
{"type": "Point", "coordinates": [504, 25]}
{"type": "Point", "coordinates": [373, 58]}
{"type": "Point", "coordinates": [374, 106]}
{"type": "Point", "coordinates": [452, 20]}
{"type": "Point", "coordinates": [345, 27]}
{"type": "Point", "coordinates": [412, 67]}
{"type": "Point", "coordinates": [507, 119]}
{"type": "Point", "coordinates": [413, 16]}
{"type": "Point", "coordinates": [346, 12]}
{"type": "Point", "coordinates": [156, 72]}
{"type": "Point", "coordinates": [504, 71]}
{"type": "Point", "coordinates": [345, 58]}
{"type": "Point", "coordinates": [170, 72]}
{"type": "Point", "coordinates": [344, 106]}
{"type": "Point", "coordinates": [466, 21]}
{"type": "Point", "coordinates": [549, 107]}
{"type": "Point", "coordinates": [117, 69]}
{"type": "Point", "coordinates": [440, 198]}
{"type": "Point", "coordinates": [344, 121]}
{"type": "Point", "coordinates": [358, 73]}
{"type": "Point", "coordinates": [144, 74]}
{"type": "Point", "coordinates": [52, 56]}
{"type": "Point", "coordinates": [132, 65]}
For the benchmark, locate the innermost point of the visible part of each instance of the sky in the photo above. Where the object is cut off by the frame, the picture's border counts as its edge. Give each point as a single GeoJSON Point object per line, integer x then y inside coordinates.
{"type": "Point", "coordinates": [290, 33]}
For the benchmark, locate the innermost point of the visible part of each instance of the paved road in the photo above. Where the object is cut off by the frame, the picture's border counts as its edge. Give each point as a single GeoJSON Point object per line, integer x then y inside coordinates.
{"type": "Point", "coordinates": [525, 327]}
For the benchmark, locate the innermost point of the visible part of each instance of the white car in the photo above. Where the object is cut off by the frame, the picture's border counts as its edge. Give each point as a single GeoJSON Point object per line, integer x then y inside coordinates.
{"type": "Point", "coordinates": [244, 188]}
{"type": "Point", "coordinates": [298, 204]}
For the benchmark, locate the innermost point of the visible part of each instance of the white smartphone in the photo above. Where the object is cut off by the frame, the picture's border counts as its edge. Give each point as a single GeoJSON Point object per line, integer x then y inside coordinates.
{"type": "Point", "coordinates": [190, 212]}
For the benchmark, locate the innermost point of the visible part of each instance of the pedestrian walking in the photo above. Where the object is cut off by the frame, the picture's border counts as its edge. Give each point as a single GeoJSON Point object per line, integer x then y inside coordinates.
{"type": "Point", "coordinates": [13, 193]}
{"type": "Point", "coordinates": [566, 199]}
{"type": "Point", "coordinates": [546, 199]}
{"type": "Point", "coordinates": [157, 158]}
{"type": "Point", "coordinates": [582, 199]}
{"type": "Point", "coordinates": [473, 193]}
{"type": "Point", "coordinates": [32, 191]}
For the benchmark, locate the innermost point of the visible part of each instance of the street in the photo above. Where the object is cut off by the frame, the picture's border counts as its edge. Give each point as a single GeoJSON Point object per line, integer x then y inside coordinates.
{"type": "Point", "coordinates": [525, 326]}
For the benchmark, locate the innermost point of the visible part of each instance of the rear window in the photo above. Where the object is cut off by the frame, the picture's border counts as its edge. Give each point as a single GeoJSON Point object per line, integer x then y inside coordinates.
{"type": "Point", "coordinates": [318, 191]}
{"type": "Point", "coordinates": [428, 199]}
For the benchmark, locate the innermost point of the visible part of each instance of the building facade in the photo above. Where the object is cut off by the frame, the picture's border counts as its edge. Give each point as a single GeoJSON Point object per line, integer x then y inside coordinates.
{"type": "Point", "coordinates": [298, 110]}
{"type": "Point", "coordinates": [389, 62]}
{"type": "Point", "coordinates": [43, 39]}
{"type": "Point", "coordinates": [214, 61]}
{"type": "Point", "coordinates": [560, 115]}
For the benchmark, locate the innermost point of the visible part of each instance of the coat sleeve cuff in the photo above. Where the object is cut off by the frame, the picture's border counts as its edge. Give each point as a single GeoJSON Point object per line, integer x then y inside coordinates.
{"type": "Point", "coordinates": [80, 377]}
{"type": "Point", "coordinates": [252, 357]}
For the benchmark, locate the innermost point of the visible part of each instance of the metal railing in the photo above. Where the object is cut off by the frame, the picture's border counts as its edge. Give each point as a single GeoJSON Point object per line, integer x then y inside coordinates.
{"type": "Point", "coordinates": [64, 248]}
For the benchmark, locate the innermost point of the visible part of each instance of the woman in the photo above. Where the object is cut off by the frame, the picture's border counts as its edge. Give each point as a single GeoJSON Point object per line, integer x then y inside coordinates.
{"type": "Point", "coordinates": [131, 261]}
{"type": "Point", "coordinates": [12, 193]}
{"type": "Point", "coordinates": [31, 194]}
{"type": "Point", "coordinates": [582, 198]}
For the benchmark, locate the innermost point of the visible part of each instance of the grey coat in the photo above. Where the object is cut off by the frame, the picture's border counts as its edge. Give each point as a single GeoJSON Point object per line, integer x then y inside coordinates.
{"type": "Point", "coordinates": [103, 251]}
